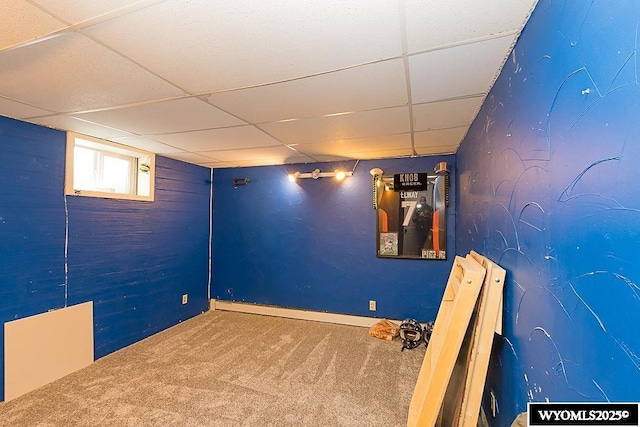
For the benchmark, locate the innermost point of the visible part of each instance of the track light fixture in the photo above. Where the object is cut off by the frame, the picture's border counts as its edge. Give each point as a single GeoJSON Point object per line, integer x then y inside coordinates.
{"type": "Point", "coordinates": [379, 179]}
{"type": "Point", "coordinates": [316, 173]}
{"type": "Point", "coordinates": [376, 171]}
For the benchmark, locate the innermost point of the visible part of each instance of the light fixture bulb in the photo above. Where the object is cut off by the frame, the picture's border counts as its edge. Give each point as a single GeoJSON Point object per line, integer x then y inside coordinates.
{"type": "Point", "coordinates": [376, 171]}
{"type": "Point", "coordinates": [293, 176]}
{"type": "Point", "coordinates": [340, 175]}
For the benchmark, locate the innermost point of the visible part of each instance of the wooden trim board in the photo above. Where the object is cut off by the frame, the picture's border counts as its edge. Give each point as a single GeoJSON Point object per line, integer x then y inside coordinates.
{"type": "Point", "coordinates": [449, 329]}
{"type": "Point", "coordinates": [489, 316]}
{"type": "Point", "coordinates": [462, 402]}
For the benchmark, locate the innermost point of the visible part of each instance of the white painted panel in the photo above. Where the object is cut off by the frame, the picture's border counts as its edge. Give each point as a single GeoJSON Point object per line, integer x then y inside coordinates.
{"type": "Point", "coordinates": [176, 115]}
{"type": "Point", "coordinates": [459, 71]}
{"type": "Point", "coordinates": [446, 114]}
{"type": "Point", "coordinates": [43, 348]}
{"type": "Point", "coordinates": [354, 89]}
{"type": "Point", "coordinates": [259, 41]}
{"type": "Point", "coordinates": [80, 126]}
{"type": "Point", "coordinates": [21, 22]}
{"type": "Point", "coordinates": [74, 73]}
{"type": "Point", "coordinates": [432, 24]}
{"type": "Point", "coordinates": [219, 139]}
{"type": "Point", "coordinates": [344, 126]}
{"type": "Point", "coordinates": [74, 11]}
{"type": "Point", "coordinates": [439, 141]}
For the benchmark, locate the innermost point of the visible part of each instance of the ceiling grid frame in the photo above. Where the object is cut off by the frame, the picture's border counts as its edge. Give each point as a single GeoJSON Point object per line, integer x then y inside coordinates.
{"type": "Point", "coordinates": [325, 75]}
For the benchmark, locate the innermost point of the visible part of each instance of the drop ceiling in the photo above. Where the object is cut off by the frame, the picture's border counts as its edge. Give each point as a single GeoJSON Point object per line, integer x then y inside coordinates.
{"type": "Point", "coordinates": [247, 83]}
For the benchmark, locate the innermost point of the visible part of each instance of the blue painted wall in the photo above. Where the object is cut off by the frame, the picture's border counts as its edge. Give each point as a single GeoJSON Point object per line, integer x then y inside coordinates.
{"type": "Point", "coordinates": [548, 188]}
{"type": "Point", "coordinates": [134, 260]}
{"type": "Point", "coordinates": [32, 223]}
{"type": "Point", "coordinates": [311, 244]}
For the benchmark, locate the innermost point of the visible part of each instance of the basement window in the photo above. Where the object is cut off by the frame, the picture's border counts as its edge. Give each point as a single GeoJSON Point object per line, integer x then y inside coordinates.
{"type": "Point", "coordinates": [98, 168]}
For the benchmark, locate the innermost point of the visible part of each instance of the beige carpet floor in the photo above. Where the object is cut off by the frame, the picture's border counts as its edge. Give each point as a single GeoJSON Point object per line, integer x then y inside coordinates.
{"type": "Point", "coordinates": [234, 369]}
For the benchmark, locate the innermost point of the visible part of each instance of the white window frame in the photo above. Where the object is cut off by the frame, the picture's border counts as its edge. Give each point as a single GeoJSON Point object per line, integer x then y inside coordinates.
{"type": "Point", "coordinates": [116, 150]}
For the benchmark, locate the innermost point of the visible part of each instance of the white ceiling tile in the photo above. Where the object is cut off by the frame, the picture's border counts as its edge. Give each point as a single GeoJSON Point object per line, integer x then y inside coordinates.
{"type": "Point", "coordinates": [74, 11]}
{"type": "Point", "coordinates": [80, 126]}
{"type": "Point", "coordinates": [401, 142]}
{"type": "Point", "coordinates": [435, 141]}
{"type": "Point", "coordinates": [267, 161]}
{"type": "Point", "coordinates": [261, 42]}
{"type": "Point", "coordinates": [176, 115]}
{"type": "Point", "coordinates": [73, 73]}
{"type": "Point", "coordinates": [327, 158]}
{"type": "Point", "coordinates": [194, 158]}
{"type": "Point", "coordinates": [219, 139]}
{"type": "Point", "coordinates": [368, 155]}
{"type": "Point", "coordinates": [259, 156]}
{"type": "Point", "coordinates": [459, 71]}
{"type": "Point", "coordinates": [18, 110]}
{"type": "Point", "coordinates": [437, 149]}
{"type": "Point", "coordinates": [446, 114]}
{"type": "Point", "coordinates": [344, 126]}
{"type": "Point", "coordinates": [317, 80]}
{"type": "Point", "coordinates": [146, 144]}
{"type": "Point", "coordinates": [216, 165]}
{"type": "Point", "coordinates": [22, 22]}
{"type": "Point", "coordinates": [433, 24]}
{"type": "Point", "coordinates": [355, 89]}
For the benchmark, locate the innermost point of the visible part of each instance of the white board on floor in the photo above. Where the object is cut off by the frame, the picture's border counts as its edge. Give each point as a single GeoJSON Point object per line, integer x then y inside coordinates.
{"type": "Point", "coordinates": [43, 348]}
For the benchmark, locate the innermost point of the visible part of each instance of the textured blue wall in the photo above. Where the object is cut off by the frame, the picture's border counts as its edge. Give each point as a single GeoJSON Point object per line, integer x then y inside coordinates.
{"type": "Point", "coordinates": [134, 260]}
{"type": "Point", "coordinates": [312, 244]}
{"type": "Point", "coordinates": [548, 188]}
{"type": "Point", "coordinates": [32, 223]}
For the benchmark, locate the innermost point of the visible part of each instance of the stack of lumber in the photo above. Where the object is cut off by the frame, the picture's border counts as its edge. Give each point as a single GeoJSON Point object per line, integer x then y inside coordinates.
{"type": "Point", "coordinates": [452, 377]}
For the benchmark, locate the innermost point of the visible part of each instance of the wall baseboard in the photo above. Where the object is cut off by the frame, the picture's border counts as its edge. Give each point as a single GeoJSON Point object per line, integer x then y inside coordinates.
{"type": "Point", "coordinates": [316, 316]}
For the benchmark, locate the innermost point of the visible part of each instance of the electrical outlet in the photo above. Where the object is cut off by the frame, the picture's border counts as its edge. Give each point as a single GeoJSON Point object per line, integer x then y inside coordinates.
{"type": "Point", "coordinates": [372, 305]}
{"type": "Point", "coordinates": [185, 298]}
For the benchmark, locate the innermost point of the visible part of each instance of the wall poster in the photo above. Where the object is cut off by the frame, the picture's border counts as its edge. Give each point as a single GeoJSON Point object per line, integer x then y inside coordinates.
{"type": "Point", "coordinates": [411, 214]}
